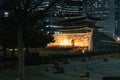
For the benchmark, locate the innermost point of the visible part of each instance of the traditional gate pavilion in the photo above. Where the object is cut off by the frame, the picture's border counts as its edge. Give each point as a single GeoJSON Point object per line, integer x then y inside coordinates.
{"type": "Point", "coordinates": [76, 34]}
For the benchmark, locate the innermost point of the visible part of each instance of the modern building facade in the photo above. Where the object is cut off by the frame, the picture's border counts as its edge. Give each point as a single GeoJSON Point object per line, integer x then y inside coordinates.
{"type": "Point", "coordinates": [97, 8]}
{"type": "Point", "coordinates": [100, 9]}
{"type": "Point", "coordinates": [72, 8]}
{"type": "Point", "coordinates": [109, 11]}
{"type": "Point", "coordinates": [117, 18]}
{"type": "Point", "coordinates": [65, 9]}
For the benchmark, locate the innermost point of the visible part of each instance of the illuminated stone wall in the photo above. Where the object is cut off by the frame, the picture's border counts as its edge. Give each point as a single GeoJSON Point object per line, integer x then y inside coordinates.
{"type": "Point", "coordinates": [79, 40]}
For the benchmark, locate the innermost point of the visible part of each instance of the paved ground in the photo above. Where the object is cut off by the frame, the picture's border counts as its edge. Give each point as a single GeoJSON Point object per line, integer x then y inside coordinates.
{"type": "Point", "coordinates": [96, 68]}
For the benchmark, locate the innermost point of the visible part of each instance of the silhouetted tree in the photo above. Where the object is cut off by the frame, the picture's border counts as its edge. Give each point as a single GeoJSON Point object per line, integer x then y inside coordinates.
{"type": "Point", "coordinates": [24, 13]}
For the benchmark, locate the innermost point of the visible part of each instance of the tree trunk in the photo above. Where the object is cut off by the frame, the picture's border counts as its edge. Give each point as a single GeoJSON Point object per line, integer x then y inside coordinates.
{"type": "Point", "coordinates": [4, 52]}
{"type": "Point", "coordinates": [20, 55]}
{"type": "Point", "coordinates": [13, 51]}
{"type": "Point", "coordinates": [27, 49]}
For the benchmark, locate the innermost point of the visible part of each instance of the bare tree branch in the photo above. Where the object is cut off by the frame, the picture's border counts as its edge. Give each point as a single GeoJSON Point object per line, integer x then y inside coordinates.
{"type": "Point", "coordinates": [34, 7]}
{"type": "Point", "coordinates": [20, 5]}
{"type": "Point", "coordinates": [13, 5]}
{"type": "Point", "coordinates": [50, 6]}
{"type": "Point", "coordinates": [27, 4]}
{"type": "Point", "coordinates": [23, 1]}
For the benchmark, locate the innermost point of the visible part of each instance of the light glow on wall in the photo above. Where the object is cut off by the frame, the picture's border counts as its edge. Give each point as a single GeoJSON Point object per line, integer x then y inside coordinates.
{"type": "Point", "coordinates": [81, 40]}
{"type": "Point", "coordinates": [118, 39]}
{"type": "Point", "coordinates": [65, 42]}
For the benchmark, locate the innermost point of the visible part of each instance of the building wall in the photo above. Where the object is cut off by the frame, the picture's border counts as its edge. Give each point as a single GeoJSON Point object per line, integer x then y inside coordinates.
{"type": "Point", "coordinates": [104, 9]}
{"type": "Point", "coordinates": [97, 8]}
{"type": "Point", "coordinates": [117, 18]}
{"type": "Point", "coordinates": [72, 7]}
{"type": "Point", "coordinates": [111, 19]}
{"type": "Point", "coordinates": [82, 41]}
{"type": "Point", "coordinates": [65, 9]}
{"type": "Point", "coordinates": [109, 23]}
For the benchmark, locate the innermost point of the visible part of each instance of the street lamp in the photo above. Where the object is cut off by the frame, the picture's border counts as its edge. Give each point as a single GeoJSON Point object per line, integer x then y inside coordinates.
{"type": "Point", "coordinates": [6, 14]}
